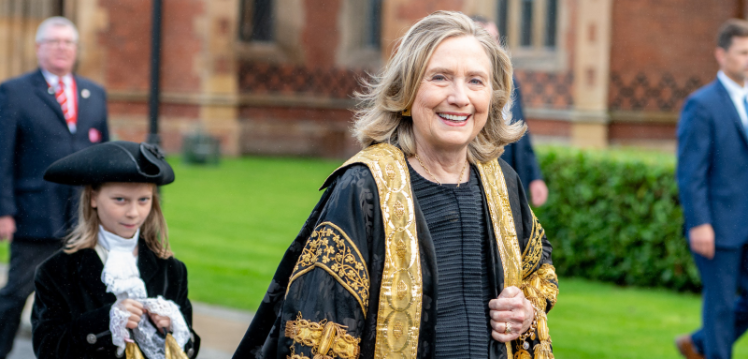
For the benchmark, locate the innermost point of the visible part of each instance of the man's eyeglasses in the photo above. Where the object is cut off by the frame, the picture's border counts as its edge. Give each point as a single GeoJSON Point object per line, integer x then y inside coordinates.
{"type": "Point", "coordinates": [59, 43]}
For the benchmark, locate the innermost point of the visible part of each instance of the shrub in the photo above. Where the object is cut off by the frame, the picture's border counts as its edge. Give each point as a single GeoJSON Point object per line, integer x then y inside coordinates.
{"type": "Point", "coordinates": [615, 216]}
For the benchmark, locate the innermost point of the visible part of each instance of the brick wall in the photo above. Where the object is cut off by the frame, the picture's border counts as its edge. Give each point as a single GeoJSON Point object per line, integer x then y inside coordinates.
{"type": "Point", "coordinates": [663, 50]}
{"type": "Point", "coordinates": [126, 45]}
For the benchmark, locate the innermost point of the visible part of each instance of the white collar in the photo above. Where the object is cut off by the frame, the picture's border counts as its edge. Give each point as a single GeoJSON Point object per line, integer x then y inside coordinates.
{"type": "Point", "coordinates": [54, 80]}
{"type": "Point", "coordinates": [732, 87]}
{"type": "Point", "coordinates": [112, 242]}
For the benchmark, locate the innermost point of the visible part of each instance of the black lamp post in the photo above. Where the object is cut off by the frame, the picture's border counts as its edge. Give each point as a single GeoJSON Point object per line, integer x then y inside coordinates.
{"type": "Point", "coordinates": [153, 100]}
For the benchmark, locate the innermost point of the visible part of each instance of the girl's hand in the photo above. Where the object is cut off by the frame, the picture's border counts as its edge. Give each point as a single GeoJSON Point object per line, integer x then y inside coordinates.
{"type": "Point", "coordinates": [160, 321]}
{"type": "Point", "coordinates": [511, 315]}
{"type": "Point", "coordinates": [135, 309]}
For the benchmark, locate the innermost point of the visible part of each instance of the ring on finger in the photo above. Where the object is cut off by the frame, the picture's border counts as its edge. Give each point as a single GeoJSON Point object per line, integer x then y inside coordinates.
{"type": "Point", "coordinates": [507, 328]}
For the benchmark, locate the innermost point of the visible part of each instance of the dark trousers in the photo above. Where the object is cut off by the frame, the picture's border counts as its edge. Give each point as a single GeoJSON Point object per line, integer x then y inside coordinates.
{"type": "Point", "coordinates": [724, 300]}
{"type": "Point", "coordinates": [25, 256]}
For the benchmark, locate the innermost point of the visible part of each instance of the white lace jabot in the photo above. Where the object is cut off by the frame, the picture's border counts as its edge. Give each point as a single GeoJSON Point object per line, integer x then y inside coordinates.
{"type": "Point", "coordinates": [113, 242]}
{"type": "Point", "coordinates": [122, 278]}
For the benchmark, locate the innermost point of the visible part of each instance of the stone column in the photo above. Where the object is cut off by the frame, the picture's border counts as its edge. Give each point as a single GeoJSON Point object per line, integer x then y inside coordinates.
{"type": "Point", "coordinates": [90, 19]}
{"type": "Point", "coordinates": [219, 111]}
{"type": "Point", "coordinates": [591, 73]}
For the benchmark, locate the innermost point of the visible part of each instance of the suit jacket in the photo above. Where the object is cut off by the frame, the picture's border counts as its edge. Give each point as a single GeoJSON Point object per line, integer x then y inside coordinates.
{"type": "Point", "coordinates": [520, 154]}
{"type": "Point", "coordinates": [33, 134]}
{"type": "Point", "coordinates": [71, 302]}
{"type": "Point", "coordinates": [712, 168]}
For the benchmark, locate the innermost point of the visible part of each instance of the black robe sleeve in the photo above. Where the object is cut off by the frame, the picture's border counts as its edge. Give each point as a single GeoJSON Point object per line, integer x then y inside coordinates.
{"type": "Point", "coordinates": [320, 298]}
{"type": "Point", "coordinates": [57, 333]}
{"type": "Point", "coordinates": [185, 306]}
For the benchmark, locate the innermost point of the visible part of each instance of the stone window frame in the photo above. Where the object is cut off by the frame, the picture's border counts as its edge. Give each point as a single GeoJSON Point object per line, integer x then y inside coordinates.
{"type": "Point", "coordinates": [360, 34]}
{"type": "Point", "coordinates": [285, 46]}
{"type": "Point", "coordinates": [538, 56]}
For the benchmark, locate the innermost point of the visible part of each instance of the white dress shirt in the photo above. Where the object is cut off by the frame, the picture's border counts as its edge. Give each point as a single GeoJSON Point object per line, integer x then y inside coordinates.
{"type": "Point", "coordinates": [54, 81]}
{"type": "Point", "coordinates": [737, 94]}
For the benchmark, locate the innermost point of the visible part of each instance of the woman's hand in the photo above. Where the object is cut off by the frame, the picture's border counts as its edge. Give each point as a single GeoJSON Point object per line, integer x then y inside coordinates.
{"type": "Point", "coordinates": [511, 315]}
{"type": "Point", "coordinates": [160, 321]}
{"type": "Point", "coordinates": [135, 309]}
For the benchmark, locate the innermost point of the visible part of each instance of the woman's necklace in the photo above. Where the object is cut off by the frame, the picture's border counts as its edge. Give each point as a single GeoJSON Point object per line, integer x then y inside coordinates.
{"type": "Point", "coordinates": [459, 179]}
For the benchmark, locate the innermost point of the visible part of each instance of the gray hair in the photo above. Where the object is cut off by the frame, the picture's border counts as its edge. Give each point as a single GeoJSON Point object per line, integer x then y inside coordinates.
{"type": "Point", "coordinates": [379, 115]}
{"type": "Point", "coordinates": [55, 21]}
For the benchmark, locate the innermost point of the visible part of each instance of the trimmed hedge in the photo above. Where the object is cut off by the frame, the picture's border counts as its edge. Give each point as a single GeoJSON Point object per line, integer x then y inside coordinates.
{"type": "Point", "coordinates": [614, 216]}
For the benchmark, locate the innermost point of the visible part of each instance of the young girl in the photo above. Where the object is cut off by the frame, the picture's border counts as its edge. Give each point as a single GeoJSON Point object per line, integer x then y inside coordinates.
{"type": "Point", "coordinates": [116, 280]}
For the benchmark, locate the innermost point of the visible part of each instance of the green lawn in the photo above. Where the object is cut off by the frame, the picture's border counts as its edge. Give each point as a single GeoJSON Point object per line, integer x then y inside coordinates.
{"type": "Point", "coordinates": [231, 224]}
{"type": "Point", "coordinates": [595, 320]}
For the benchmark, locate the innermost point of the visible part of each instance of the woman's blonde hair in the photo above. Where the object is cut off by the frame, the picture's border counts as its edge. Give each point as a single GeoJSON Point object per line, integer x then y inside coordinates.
{"type": "Point", "coordinates": [86, 231]}
{"type": "Point", "coordinates": [379, 115]}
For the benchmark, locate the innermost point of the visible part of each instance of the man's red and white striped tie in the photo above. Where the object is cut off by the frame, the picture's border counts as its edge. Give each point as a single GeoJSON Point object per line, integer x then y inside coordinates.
{"type": "Point", "coordinates": [68, 107]}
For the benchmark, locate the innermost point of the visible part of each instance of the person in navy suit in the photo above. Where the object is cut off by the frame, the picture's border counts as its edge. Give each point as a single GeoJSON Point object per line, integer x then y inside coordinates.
{"type": "Point", "coordinates": [520, 154]}
{"type": "Point", "coordinates": [45, 115]}
{"type": "Point", "coordinates": [712, 175]}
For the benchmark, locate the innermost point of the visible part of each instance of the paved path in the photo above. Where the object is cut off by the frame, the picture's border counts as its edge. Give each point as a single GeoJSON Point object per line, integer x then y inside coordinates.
{"type": "Point", "coordinates": [220, 329]}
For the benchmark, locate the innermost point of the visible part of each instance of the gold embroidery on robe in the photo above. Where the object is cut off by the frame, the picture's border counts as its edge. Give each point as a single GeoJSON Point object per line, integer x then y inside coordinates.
{"type": "Point", "coordinates": [400, 301]}
{"type": "Point", "coordinates": [541, 288]}
{"type": "Point", "coordinates": [328, 340]}
{"type": "Point", "coordinates": [534, 250]}
{"type": "Point", "coordinates": [329, 248]}
{"type": "Point", "coordinates": [548, 283]}
{"type": "Point", "coordinates": [497, 197]}
{"type": "Point", "coordinates": [293, 355]}
{"type": "Point", "coordinates": [401, 292]}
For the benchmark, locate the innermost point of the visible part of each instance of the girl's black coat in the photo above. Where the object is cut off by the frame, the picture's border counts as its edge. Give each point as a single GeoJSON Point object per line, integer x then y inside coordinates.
{"type": "Point", "coordinates": [71, 302]}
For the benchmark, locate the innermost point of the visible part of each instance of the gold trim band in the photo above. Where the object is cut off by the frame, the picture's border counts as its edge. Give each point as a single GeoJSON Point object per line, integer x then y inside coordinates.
{"type": "Point", "coordinates": [400, 298]}
{"type": "Point", "coordinates": [330, 249]}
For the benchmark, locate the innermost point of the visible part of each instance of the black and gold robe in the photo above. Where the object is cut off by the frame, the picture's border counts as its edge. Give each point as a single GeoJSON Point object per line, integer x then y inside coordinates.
{"type": "Point", "coordinates": [360, 278]}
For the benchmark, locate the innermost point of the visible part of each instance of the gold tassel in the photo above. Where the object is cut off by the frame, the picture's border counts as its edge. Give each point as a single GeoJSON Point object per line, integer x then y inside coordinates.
{"type": "Point", "coordinates": [132, 351]}
{"type": "Point", "coordinates": [172, 349]}
{"type": "Point", "coordinates": [543, 351]}
{"type": "Point", "coordinates": [522, 354]}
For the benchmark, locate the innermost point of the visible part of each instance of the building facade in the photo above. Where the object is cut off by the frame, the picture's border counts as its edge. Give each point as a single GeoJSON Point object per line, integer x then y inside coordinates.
{"type": "Point", "coordinates": [278, 76]}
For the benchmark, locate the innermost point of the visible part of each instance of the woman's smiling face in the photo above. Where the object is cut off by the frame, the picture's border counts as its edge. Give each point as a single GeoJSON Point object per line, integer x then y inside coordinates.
{"type": "Point", "coordinates": [452, 103]}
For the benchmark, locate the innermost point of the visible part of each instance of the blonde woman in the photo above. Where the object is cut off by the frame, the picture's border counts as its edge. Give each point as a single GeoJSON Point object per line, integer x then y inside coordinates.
{"type": "Point", "coordinates": [423, 245]}
{"type": "Point", "coordinates": [116, 281]}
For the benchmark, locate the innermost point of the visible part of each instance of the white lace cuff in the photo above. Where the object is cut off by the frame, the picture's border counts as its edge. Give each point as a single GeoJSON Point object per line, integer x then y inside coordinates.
{"type": "Point", "coordinates": [179, 329]}
{"type": "Point", "coordinates": [118, 326]}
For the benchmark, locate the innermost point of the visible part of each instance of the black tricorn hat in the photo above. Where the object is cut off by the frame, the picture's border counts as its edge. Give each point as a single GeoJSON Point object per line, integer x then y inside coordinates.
{"type": "Point", "coordinates": [119, 161]}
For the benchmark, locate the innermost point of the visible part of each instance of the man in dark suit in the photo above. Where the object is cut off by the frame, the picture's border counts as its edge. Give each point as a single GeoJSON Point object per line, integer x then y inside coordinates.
{"type": "Point", "coordinates": [44, 115]}
{"type": "Point", "coordinates": [712, 177]}
{"type": "Point", "coordinates": [520, 154]}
